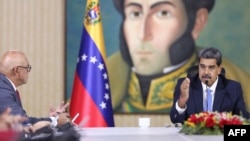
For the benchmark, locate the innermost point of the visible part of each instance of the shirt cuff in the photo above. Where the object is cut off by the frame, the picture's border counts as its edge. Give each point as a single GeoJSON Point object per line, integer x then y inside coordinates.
{"type": "Point", "coordinates": [54, 121]}
{"type": "Point", "coordinates": [179, 109]}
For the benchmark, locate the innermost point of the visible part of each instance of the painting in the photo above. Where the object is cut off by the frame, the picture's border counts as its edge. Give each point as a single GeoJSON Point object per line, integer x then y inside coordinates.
{"type": "Point", "coordinates": [137, 85]}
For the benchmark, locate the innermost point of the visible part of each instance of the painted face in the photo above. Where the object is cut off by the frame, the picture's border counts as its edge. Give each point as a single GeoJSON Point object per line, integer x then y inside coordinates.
{"type": "Point", "coordinates": [208, 70]}
{"type": "Point", "coordinates": [150, 28]}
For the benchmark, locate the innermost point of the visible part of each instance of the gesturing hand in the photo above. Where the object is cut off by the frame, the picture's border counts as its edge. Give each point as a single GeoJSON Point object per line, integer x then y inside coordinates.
{"type": "Point", "coordinates": [60, 109]}
{"type": "Point", "coordinates": [184, 92]}
{"type": "Point", "coordinates": [63, 118]}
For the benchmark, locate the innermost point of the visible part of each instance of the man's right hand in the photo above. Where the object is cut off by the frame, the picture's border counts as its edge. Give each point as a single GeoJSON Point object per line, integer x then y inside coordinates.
{"type": "Point", "coordinates": [184, 93]}
{"type": "Point", "coordinates": [60, 109]}
{"type": "Point", "coordinates": [63, 118]}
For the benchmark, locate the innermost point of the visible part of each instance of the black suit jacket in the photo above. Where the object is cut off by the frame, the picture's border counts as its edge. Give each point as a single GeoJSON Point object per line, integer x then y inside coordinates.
{"type": "Point", "coordinates": [8, 98]}
{"type": "Point", "coordinates": [228, 98]}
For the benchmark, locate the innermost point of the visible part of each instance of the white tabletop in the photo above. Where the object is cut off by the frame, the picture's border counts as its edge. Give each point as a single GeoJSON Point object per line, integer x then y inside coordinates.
{"type": "Point", "coordinates": [139, 134]}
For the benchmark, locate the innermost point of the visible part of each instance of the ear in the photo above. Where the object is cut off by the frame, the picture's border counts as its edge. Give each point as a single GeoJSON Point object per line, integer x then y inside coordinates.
{"type": "Point", "coordinates": [220, 70]}
{"type": "Point", "coordinates": [14, 71]}
{"type": "Point", "coordinates": [200, 22]}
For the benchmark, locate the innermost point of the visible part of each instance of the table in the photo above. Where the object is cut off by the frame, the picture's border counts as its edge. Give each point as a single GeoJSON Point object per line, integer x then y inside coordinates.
{"type": "Point", "coordinates": [141, 134]}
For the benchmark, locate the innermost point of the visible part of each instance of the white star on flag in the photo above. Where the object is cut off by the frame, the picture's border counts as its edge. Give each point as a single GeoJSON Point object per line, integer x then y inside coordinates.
{"type": "Point", "coordinates": [84, 57]}
{"type": "Point", "coordinates": [107, 86]}
{"type": "Point", "coordinates": [105, 76]}
{"type": "Point", "coordinates": [101, 66]}
{"type": "Point", "coordinates": [93, 60]}
{"type": "Point", "coordinates": [106, 96]}
{"type": "Point", "coordinates": [103, 105]}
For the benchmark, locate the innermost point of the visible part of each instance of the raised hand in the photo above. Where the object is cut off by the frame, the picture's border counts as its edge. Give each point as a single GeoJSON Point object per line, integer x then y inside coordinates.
{"type": "Point", "coordinates": [184, 93]}
{"type": "Point", "coordinates": [60, 109]}
{"type": "Point", "coordinates": [63, 118]}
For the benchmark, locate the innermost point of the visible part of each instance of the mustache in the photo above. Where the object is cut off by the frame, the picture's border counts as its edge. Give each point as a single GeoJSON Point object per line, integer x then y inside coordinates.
{"type": "Point", "coordinates": [206, 76]}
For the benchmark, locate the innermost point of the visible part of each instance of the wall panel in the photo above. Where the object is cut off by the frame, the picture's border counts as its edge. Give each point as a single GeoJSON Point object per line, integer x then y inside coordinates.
{"type": "Point", "coordinates": [37, 28]}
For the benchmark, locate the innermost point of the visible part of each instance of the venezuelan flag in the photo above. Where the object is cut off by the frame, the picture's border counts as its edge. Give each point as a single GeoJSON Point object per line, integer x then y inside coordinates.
{"type": "Point", "coordinates": [91, 98]}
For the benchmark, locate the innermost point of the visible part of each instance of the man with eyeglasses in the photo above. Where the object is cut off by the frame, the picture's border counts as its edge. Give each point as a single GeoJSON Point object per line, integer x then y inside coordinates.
{"type": "Point", "coordinates": [14, 72]}
{"type": "Point", "coordinates": [28, 67]}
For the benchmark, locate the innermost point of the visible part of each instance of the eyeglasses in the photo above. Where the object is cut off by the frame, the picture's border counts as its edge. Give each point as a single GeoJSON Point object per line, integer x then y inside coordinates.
{"type": "Point", "coordinates": [28, 68]}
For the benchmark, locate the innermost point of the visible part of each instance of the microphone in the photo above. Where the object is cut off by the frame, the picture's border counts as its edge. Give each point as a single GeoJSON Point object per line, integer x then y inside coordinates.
{"type": "Point", "coordinates": [208, 98]}
{"type": "Point", "coordinates": [206, 82]}
{"type": "Point", "coordinates": [206, 77]}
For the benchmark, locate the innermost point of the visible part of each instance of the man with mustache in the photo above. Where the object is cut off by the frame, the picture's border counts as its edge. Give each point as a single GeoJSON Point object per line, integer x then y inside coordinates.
{"type": "Point", "coordinates": [191, 96]}
{"type": "Point", "coordinates": [157, 47]}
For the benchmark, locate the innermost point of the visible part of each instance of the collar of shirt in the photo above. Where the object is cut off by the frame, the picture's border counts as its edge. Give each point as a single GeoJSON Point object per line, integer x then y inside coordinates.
{"type": "Point", "coordinates": [12, 84]}
{"type": "Point", "coordinates": [213, 87]}
{"type": "Point", "coordinates": [167, 69]}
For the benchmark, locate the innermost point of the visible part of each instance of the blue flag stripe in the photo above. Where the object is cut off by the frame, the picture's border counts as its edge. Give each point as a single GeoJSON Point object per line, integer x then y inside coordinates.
{"type": "Point", "coordinates": [92, 68]}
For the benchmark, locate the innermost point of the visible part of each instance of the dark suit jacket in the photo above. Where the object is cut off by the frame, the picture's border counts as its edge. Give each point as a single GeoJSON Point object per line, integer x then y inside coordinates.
{"type": "Point", "coordinates": [8, 98]}
{"type": "Point", "coordinates": [228, 98]}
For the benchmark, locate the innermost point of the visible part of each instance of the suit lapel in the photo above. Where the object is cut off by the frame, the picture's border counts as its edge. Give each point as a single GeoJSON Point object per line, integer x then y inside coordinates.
{"type": "Point", "coordinates": [198, 93]}
{"type": "Point", "coordinates": [18, 98]}
{"type": "Point", "coordinates": [8, 83]}
{"type": "Point", "coordinates": [218, 98]}
{"type": "Point", "coordinates": [219, 94]}
{"type": "Point", "coordinates": [198, 99]}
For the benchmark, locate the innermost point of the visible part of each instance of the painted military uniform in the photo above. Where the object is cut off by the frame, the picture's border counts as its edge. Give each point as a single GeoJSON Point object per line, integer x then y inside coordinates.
{"type": "Point", "coordinates": [126, 92]}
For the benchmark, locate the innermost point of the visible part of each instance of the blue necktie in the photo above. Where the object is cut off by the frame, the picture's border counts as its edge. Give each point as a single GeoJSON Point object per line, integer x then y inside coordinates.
{"type": "Point", "coordinates": [209, 100]}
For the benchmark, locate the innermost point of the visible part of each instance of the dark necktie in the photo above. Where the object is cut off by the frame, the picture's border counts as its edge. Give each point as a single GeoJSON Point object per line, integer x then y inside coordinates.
{"type": "Point", "coordinates": [18, 96]}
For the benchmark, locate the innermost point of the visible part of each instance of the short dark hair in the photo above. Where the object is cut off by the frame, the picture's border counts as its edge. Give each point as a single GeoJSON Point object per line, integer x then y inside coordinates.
{"type": "Point", "coordinates": [211, 53]}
